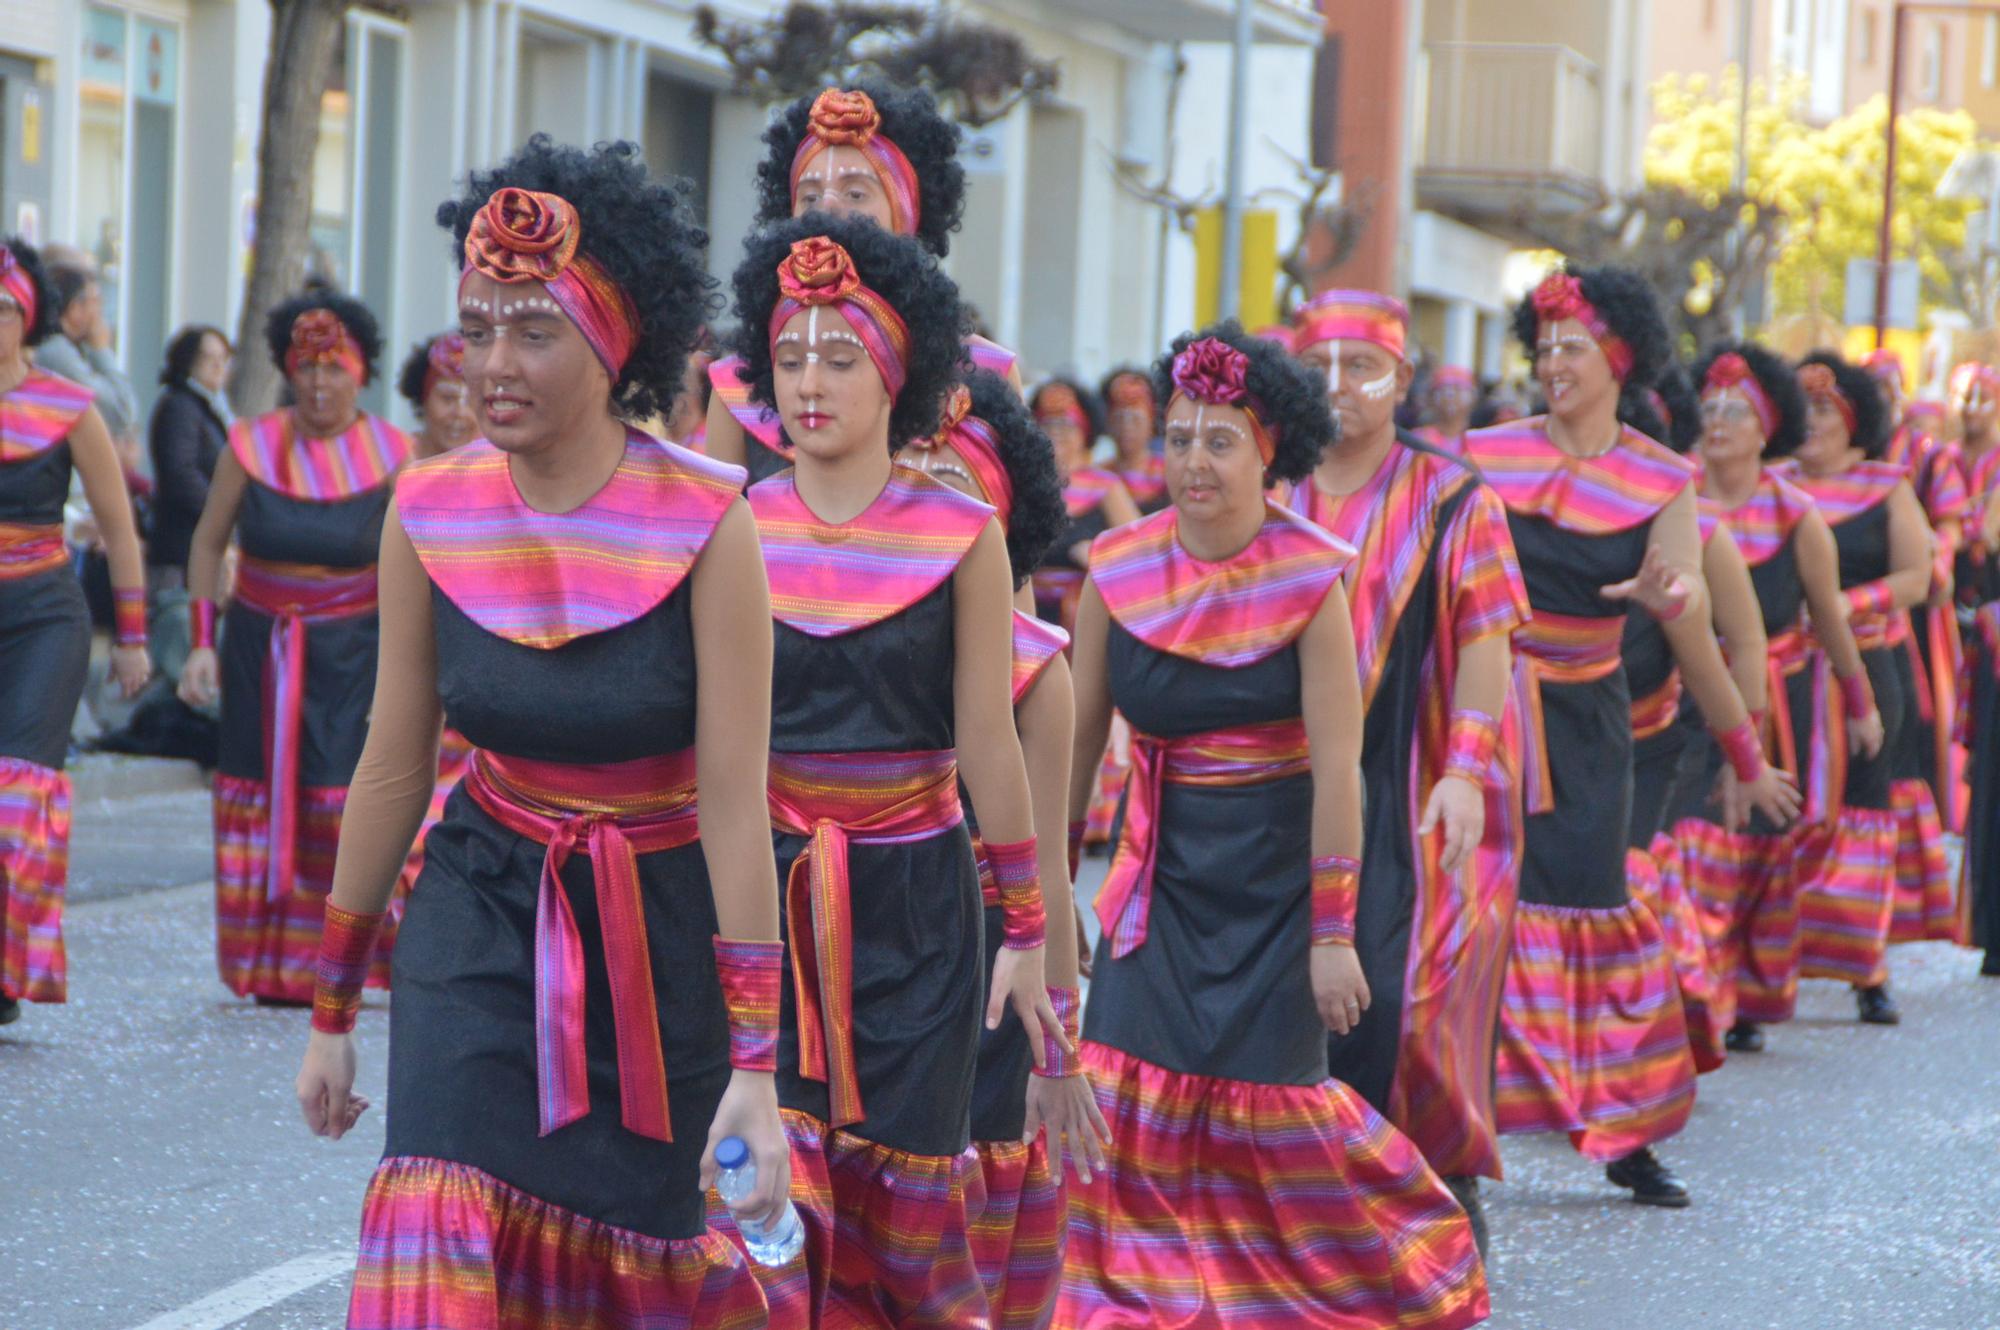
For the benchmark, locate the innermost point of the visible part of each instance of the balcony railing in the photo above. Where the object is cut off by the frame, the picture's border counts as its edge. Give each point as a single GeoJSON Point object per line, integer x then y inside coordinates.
{"type": "Point", "coordinates": [1511, 125]}
{"type": "Point", "coordinates": [1290, 22]}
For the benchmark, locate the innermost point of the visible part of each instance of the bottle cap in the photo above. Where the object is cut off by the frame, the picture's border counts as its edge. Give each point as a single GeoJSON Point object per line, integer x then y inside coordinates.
{"type": "Point", "coordinates": [732, 1153]}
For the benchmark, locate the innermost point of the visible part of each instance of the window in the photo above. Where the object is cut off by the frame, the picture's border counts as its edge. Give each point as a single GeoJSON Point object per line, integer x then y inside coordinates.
{"type": "Point", "coordinates": [1869, 19]}
{"type": "Point", "coordinates": [1930, 68]}
{"type": "Point", "coordinates": [1989, 52]}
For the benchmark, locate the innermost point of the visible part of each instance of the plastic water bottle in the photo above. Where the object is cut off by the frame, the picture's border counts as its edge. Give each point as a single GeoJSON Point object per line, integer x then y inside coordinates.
{"type": "Point", "coordinates": [776, 1244]}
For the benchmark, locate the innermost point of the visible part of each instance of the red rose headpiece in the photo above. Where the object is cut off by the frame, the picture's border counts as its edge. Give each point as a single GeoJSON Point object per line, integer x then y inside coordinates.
{"type": "Point", "coordinates": [974, 440]}
{"type": "Point", "coordinates": [1730, 370]}
{"type": "Point", "coordinates": [1560, 296]}
{"type": "Point", "coordinates": [1820, 385]}
{"type": "Point", "coordinates": [523, 235]}
{"type": "Point", "coordinates": [818, 272]}
{"type": "Point", "coordinates": [841, 119]}
{"type": "Point", "coordinates": [320, 338]}
{"type": "Point", "coordinates": [1216, 373]}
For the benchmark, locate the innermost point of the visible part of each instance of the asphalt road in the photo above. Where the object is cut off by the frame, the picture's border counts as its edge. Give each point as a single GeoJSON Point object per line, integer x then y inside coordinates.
{"type": "Point", "coordinates": [154, 1173]}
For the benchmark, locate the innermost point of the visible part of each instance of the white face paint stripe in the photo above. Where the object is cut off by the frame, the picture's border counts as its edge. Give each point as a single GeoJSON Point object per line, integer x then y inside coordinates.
{"type": "Point", "coordinates": [1333, 372]}
{"type": "Point", "coordinates": [1380, 388]}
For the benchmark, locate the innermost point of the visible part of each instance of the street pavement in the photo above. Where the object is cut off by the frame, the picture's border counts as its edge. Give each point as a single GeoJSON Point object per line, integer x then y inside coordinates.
{"type": "Point", "coordinates": [154, 1172]}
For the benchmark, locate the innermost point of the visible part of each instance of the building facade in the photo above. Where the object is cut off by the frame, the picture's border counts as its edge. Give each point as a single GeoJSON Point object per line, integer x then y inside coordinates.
{"type": "Point", "coordinates": [130, 130]}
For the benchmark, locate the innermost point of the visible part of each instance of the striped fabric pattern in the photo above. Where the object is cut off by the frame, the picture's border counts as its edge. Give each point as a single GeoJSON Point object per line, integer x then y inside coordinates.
{"type": "Point", "coordinates": [362, 458]}
{"type": "Point", "coordinates": [1658, 881]}
{"type": "Point", "coordinates": [1926, 903]}
{"type": "Point", "coordinates": [1592, 1038]}
{"type": "Point", "coordinates": [1742, 887]}
{"type": "Point", "coordinates": [1232, 1203]}
{"type": "Point", "coordinates": [990, 356]}
{"type": "Point", "coordinates": [1843, 497]}
{"type": "Point", "coordinates": [445, 1244]}
{"type": "Point", "coordinates": [1763, 523]}
{"type": "Point", "coordinates": [546, 579]}
{"type": "Point", "coordinates": [828, 579]}
{"type": "Point", "coordinates": [1035, 644]}
{"type": "Point", "coordinates": [1019, 1239]}
{"type": "Point", "coordinates": [1085, 488]}
{"type": "Point", "coordinates": [887, 1235]}
{"type": "Point", "coordinates": [28, 551]}
{"type": "Point", "coordinates": [1846, 898]}
{"type": "Point", "coordinates": [1592, 496]}
{"type": "Point", "coordinates": [34, 874]}
{"type": "Point", "coordinates": [758, 421]}
{"type": "Point", "coordinates": [268, 947]}
{"type": "Point", "coordinates": [39, 413]}
{"type": "Point", "coordinates": [1231, 613]}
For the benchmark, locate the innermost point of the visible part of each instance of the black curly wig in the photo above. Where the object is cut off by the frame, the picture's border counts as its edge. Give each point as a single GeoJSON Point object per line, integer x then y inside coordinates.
{"type": "Point", "coordinates": [910, 120]}
{"type": "Point", "coordinates": [1774, 374]}
{"type": "Point", "coordinates": [1295, 409]}
{"type": "Point", "coordinates": [641, 231]}
{"type": "Point", "coordinates": [353, 315]}
{"type": "Point", "coordinates": [1039, 518]}
{"type": "Point", "coordinates": [1669, 412]}
{"type": "Point", "coordinates": [896, 268]}
{"type": "Point", "coordinates": [416, 368]}
{"type": "Point", "coordinates": [1139, 372]}
{"type": "Point", "coordinates": [1626, 302]}
{"type": "Point", "coordinates": [1864, 394]}
{"type": "Point", "coordinates": [1095, 422]}
{"type": "Point", "coordinates": [31, 263]}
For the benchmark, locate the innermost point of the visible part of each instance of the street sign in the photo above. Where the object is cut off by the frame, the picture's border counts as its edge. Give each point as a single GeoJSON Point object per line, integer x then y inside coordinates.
{"type": "Point", "coordinates": [1903, 283]}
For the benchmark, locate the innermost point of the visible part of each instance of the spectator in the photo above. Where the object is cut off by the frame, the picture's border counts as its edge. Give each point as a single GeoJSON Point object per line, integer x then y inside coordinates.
{"type": "Point", "coordinates": [81, 353]}
{"type": "Point", "coordinates": [189, 430]}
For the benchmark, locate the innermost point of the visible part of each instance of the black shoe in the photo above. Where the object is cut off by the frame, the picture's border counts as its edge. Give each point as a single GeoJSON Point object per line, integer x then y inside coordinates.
{"type": "Point", "coordinates": [1744, 1037]}
{"type": "Point", "coordinates": [1650, 1181]}
{"type": "Point", "coordinates": [265, 1000]}
{"type": "Point", "coordinates": [1876, 1006]}
{"type": "Point", "coordinates": [10, 1010]}
{"type": "Point", "coordinates": [1991, 965]}
{"type": "Point", "coordinates": [1465, 1190]}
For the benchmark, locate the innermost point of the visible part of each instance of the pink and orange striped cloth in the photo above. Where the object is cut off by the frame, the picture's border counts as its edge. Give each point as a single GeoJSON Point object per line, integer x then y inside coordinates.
{"type": "Point", "coordinates": [1020, 1236]}
{"type": "Point", "coordinates": [443, 1243]}
{"type": "Point", "coordinates": [265, 946]}
{"type": "Point", "coordinates": [1847, 872]}
{"type": "Point", "coordinates": [1233, 1203]}
{"type": "Point", "coordinates": [1763, 523]}
{"type": "Point", "coordinates": [1230, 613]}
{"type": "Point", "coordinates": [1592, 496]}
{"type": "Point", "coordinates": [832, 578]}
{"type": "Point", "coordinates": [39, 413]}
{"type": "Point", "coordinates": [364, 457]}
{"type": "Point", "coordinates": [1085, 488]}
{"type": "Point", "coordinates": [34, 874]}
{"type": "Point", "coordinates": [545, 579]}
{"type": "Point", "coordinates": [1593, 1041]}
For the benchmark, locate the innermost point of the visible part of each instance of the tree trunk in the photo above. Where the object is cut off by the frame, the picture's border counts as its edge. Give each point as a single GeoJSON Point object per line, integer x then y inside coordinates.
{"type": "Point", "coordinates": [303, 37]}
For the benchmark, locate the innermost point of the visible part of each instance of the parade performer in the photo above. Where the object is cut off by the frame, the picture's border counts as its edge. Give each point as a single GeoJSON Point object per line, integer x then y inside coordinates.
{"type": "Point", "coordinates": [1667, 720]}
{"type": "Point", "coordinates": [875, 151]}
{"type": "Point", "coordinates": [1592, 1037]}
{"type": "Point", "coordinates": [303, 490]}
{"type": "Point", "coordinates": [1434, 592]}
{"type": "Point", "coordinates": [1736, 863]}
{"type": "Point", "coordinates": [988, 447]}
{"type": "Point", "coordinates": [1242, 1179]}
{"type": "Point", "coordinates": [1977, 577]}
{"type": "Point", "coordinates": [892, 677]}
{"type": "Point", "coordinates": [48, 428]}
{"type": "Point", "coordinates": [1131, 420]}
{"type": "Point", "coordinates": [1926, 765]}
{"type": "Point", "coordinates": [433, 382]}
{"type": "Point", "coordinates": [587, 977]}
{"type": "Point", "coordinates": [1847, 866]}
{"type": "Point", "coordinates": [1449, 398]}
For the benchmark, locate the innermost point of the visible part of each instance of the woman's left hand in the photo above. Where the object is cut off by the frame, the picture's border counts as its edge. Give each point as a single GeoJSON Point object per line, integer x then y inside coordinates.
{"type": "Point", "coordinates": [1018, 981]}
{"type": "Point", "coordinates": [1067, 1108]}
{"type": "Point", "coordinates": [749, 1109]}
{"type": "Point", "coordinates": [1656, 588]}
{"type": "Point", "coordinates": [131, 667]}
{"type": "Point", "coordinates": [1459, 807]}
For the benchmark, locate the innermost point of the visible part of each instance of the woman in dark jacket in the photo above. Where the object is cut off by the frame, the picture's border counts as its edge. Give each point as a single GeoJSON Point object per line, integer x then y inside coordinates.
{"type": "Point", "coordinates": [189, 430]}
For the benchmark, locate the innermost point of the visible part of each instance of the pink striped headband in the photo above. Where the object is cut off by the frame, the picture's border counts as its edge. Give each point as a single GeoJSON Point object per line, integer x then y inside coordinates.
{"type": "Point", "coordinates": [819, 272]}
{"type": "Point", "coordinates": [1730, 370]}
{"type": "Point", "coordinates": [523, 236]}
{"type": "Point", "coordinates": [1560, 296]}
{"type": "Point", "coordinates": [15, 281]}
{"type": "Point", "coordinates": [841, 119]}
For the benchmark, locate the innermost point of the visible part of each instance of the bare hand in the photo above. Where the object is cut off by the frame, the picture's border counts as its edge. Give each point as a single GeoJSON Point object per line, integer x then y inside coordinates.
{"type": "Point", "coordinates": [1655, 588]}
{"type": "Point", "coordinates": [325, 1086]}
{"type": "Point", "coordinates": [749, 1109]}
{"type": "Point", "coordinates": [1460, 807]}
{"type": "Point", "coordinates": [1084, 958]}
{"type": "Point", "coordinates": [1774, 794]}
{"type": "Point", "coordinates": [131, 667]}
{"type": "Point", "coordinates": [1340, 990]}
{"type": "Point", "coordinates": [198, 677]}
{"type": "Point", "coordinates": [1018, 981]}
{"type": "Point", "coordinates": [1067, 1108]}
{"type": "Point", "coordinates": [1864, 736]}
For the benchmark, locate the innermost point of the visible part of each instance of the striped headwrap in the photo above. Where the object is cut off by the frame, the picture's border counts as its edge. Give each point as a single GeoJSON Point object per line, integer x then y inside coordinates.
{"type": "Point", "coordinates": [818, 272]}
{"type": "Point", "coordinates": [1058, 401]}
{"type": "Point", "coordinates": [1560, 296]}
{"type": "Point", "coordinates": [1730, 370]}
{"type": "Point", "coordinates": [1820, 385]}
{"type": "Point", "coordinates": [841, 119]}
{"type": "Point", "coordinates": [1886, 365]}
{"type": "Point", "coordinates": [1352, 316]}
{"type": "Point", "coordinates": [975, 440]}
{"type": "Point", "coordinates": [1214, 372]}
{"type": "Point", "coordinates": [18, 286]}
{"type": "Point", "coordinates": [523, 236]}
{"type": "Point", "coordinates": [320, 338]}
{"type": "Point", "coordinates": [1975, 372]}
{"type": "Point", "coordinates": [444, 362]}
